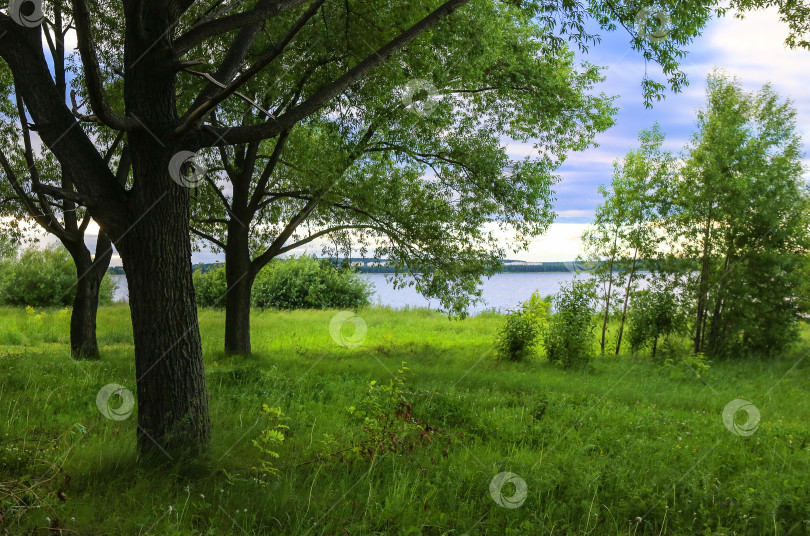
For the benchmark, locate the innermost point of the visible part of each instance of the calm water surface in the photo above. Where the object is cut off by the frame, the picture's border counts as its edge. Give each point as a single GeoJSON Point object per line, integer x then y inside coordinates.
{"type": "Point", "coordinates": [501, 291]}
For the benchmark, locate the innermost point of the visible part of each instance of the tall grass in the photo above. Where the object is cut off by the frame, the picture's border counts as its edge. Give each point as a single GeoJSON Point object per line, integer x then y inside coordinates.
{"type": "Point", "coordinates": [620, 448]}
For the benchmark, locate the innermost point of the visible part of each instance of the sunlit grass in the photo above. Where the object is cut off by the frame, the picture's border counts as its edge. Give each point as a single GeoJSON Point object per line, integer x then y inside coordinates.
{"type": "Point", "coordinates": [620, 448]}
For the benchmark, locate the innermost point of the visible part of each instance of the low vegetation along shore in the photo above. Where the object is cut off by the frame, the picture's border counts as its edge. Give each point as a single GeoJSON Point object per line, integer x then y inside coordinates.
{"type": "Point", "coordinates": [402, 422]}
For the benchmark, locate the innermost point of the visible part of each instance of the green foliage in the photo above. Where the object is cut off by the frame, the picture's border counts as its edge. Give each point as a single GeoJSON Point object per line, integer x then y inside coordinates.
{"type": "Point", "coordinates": [356, 169]}
{"type": "Point", "coordinates": [44, 278]}
{"type": "Point", "coordinates": [210, 287]}
{"type": "Point", "coordinates": [308, 283]}
{"type": "Point", "coordinates": [687, 365]}
{"type": "Point", "coordinates": [520, 334]}
{"type": "Point", "coordinates": [654, 314]}
{"type": "Point", "coordinates": [270, 439]}
{"type": "Point", "coordinates": [736, 223]}
{"type": "Point", "coordinates": [8, 249]}
{"type": "Point", "coordinates": [568, 339]}
{"type": "Point", "coordinates": [381, 422]}
{"type": "Point", "coordinates": [624, 232]}
{"type": "Point", "coordinates": [296, 283]}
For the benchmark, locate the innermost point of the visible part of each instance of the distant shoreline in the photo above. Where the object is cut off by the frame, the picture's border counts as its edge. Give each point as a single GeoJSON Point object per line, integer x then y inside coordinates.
{"type": "Point", "coordinates": [371, 266]}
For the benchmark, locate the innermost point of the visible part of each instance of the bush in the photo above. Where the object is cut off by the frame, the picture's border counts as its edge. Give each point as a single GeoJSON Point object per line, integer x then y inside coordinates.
{"type": "Point", "coordinates": [654, 314]}
{"type": "Point", "coordinates": [44, 278]}
{"type": "Point", "coordinates": [299, 283]}
{"type": "Point", "coordinates": [569, 339]}
{"type": "Point", "coordinates": [519, 336]}
{"type": "Point", "coordinates": [210, 287]}
{"type": "Point", "coordinates": [309, 283]}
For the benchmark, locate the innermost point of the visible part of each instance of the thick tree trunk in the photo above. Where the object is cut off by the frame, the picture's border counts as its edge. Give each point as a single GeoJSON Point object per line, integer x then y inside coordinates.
{"type": "Point", "coordinates": [239, 274]}
{"type": "Point", "coordinates": [89, 274]}
{"type": "Point", "coordinates": [156, 251]}
{"type": "Point", "coordinates": [83, 343]}
{"type": "Point", "coordinates": [172, 395]}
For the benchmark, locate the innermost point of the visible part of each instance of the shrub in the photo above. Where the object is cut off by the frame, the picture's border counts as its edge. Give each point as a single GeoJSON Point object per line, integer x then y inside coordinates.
{"type": "Point", "coordinates": [654, 314]}
{"type": "Point", "coordinates": [569, 339]}
{"type": "Point", "coordinates": [44, 278]}
{"type": "Point", "coordinates": [521, 333]}
{"type": "Point", "coordinates": [298, 283]}
{"type": "Point", "coordinates": [210, 287]}
{"type": "Point", "coordinates": [309, 283]}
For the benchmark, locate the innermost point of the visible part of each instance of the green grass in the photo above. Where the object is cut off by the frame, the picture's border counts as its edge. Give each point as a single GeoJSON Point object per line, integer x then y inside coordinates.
{"type": "Point", "coordinates": [621, 448]}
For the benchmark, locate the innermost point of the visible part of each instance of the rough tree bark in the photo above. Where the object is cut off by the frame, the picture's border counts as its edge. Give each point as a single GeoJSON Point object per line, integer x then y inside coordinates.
{"type": "Point", "coordinates": [156, 251]}
{"type": "Point", "coordinates": [89, 274]}
{"type": "Point", "coordinates": [239, 274]}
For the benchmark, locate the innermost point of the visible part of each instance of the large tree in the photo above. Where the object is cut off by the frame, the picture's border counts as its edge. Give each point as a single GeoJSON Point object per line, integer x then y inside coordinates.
{"type": "Point", "coordinates": [424, 180]}
{"type": "Point", "coordinates": [317, 51]}
{"type": "Point", "coordinates": [28, 175]}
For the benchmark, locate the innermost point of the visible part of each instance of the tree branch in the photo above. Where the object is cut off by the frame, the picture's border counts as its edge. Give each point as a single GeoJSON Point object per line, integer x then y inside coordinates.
{"type": "Point", "coordinates": [92, 73]}
{"type": "Point", "coordinates": [208, 237]}
{"type": "Point", "coordinates": [264, 9]}
{"type": "Point", "coordinates": [262, 184]}
{"type": "Point", "coordinates": [273, 127]}
{"type": "Point", "coordinates": [207, 101]}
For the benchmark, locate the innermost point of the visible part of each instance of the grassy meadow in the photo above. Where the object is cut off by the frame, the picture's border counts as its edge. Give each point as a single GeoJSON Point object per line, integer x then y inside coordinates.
{"type": "Point", "coordinates": [627, 446]}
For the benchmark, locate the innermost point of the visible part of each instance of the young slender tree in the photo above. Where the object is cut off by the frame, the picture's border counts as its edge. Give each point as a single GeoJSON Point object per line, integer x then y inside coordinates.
{"type": "Point", "coordinates": [624, 234]}
{"type": "Point", "coordinates": [738, 221]}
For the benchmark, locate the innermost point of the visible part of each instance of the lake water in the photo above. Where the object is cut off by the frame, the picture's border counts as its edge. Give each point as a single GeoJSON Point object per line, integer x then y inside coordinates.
{"type": "Point", "coordinates": [501, 291]}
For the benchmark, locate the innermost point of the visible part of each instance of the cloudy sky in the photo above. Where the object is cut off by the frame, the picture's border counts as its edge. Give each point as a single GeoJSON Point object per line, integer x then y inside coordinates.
{"type": "Point", "coordinates": [751, 49]}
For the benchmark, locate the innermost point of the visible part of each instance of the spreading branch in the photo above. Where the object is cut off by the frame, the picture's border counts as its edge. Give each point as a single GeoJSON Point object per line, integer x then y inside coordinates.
{"type": "Point", "coordinates": [271, 128]}
{"type": "Point", "coordinates": [264, 9]}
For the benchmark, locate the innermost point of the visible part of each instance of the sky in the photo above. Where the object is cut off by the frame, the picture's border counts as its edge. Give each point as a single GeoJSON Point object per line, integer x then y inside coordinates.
{"type": "Point", "coordinates": [751, 49]}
